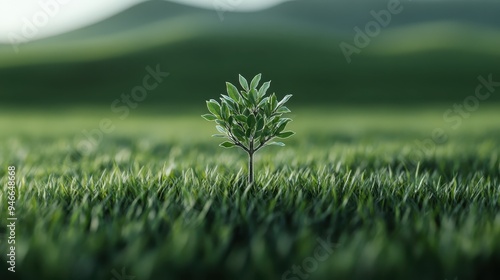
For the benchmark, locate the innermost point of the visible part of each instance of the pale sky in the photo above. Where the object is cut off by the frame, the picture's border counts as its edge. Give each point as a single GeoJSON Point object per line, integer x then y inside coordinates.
{"type": "Point", "coordinates": [34, 19]}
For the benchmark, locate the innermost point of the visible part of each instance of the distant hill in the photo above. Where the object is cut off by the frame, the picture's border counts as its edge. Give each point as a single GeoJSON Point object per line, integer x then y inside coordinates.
{"type": "Point", "coordinates": [339, 16]}
{"type": "Point", "coordinates": [431, 52]}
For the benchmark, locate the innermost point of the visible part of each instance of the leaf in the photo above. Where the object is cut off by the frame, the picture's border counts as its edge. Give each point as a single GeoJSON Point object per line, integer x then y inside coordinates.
{"type": "Point", "coordinates": [233, 92]}
{"type": "Point", "coordinates": [255, 81]}
{"type": "Point", "coordinates": [267, 108]}
{"type": "Point", "coordinates": [227, 144]}
{"type": "Point", "coordinates": [276, 119]}
{"type": "Point", "coordinates": [286, 134]}
{"type": "Point", "coordinates": [219, 135]}
{"type": "Point", "coordinates": [251, 121]}
{"type": "Point", "coordinates": [266, 132]}
{"type": "Point", "coordinates": [241, 118]}
{"type": "Point", "coordinates": [220, 129]}
{"type": "Point", "coordinates": [263, 89]}
{"type": "Point", "coordinates": [274, 102]}
{"type": "Point", "coordinates": [260, 123]}
{"type": "Point", "coordinates": [284, 100]}
{"type": "Point", "coordinates": [225, 110]}
{"type": "Point", "coordinates": [238, 132]}
{"type": "Point", "coordinates": [230, 102]}
{"type": "Point", "coordinates": [249, 102]}
{"type": "Point", "coordinates": [282, 124]}
{"type": "Point", "coordinates": [220, 122]}
{"type": "Point", "coordinates": [281, 120]}
{"type": "Point", "coordinates": [281, 127]}
{"type": "Point", "coordinates": [214, 107]}
{"type": "Point", "coordinates": [243, 83]}
{"type": "Point", "coordinates": [281, 144]}
{"type": "Point", "coordinates": [257, 134]}
{"type": "Point", "coordinates": [263, 101]}
{"type": "Point", "coordinates": [209, 117]}
{"type": "Point", "coordinates": [252, 98]}
{"type": "Point", "coordinates": [283, 110]}
{"type": "Point", "coordinates": [243, 94]}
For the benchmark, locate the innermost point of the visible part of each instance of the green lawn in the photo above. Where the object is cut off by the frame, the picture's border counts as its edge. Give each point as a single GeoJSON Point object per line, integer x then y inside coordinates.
{"type": "Point", "coordinates": [158, 198]}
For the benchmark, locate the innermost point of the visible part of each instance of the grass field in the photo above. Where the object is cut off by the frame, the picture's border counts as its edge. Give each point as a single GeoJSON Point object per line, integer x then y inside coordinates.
{"type": "Point", "coordinates": [157, 199]}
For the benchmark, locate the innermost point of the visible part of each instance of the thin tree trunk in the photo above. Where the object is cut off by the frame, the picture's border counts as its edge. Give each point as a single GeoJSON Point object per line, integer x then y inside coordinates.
{"type": "Point", "coordinates": [250, 168]}
{"type": "Point", "coordinates": [250, 163]}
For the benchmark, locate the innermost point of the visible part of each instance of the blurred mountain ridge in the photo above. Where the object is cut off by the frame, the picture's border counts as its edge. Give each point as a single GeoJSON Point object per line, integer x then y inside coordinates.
{"type": "Point", "coordinates": [295, 43]}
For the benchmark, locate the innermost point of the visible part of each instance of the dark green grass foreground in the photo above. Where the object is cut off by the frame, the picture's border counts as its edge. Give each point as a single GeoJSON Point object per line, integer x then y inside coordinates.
{"type": "Point", "coordinates": [160, 200]}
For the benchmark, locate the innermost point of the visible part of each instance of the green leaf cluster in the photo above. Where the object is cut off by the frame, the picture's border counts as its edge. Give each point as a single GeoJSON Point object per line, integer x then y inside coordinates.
{"type": "Point", "coordinates": [249, 118]}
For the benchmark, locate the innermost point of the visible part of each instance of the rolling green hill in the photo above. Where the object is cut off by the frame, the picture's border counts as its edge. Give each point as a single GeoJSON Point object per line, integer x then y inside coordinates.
{"type": "Point", "coordinates": [420, 57]}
